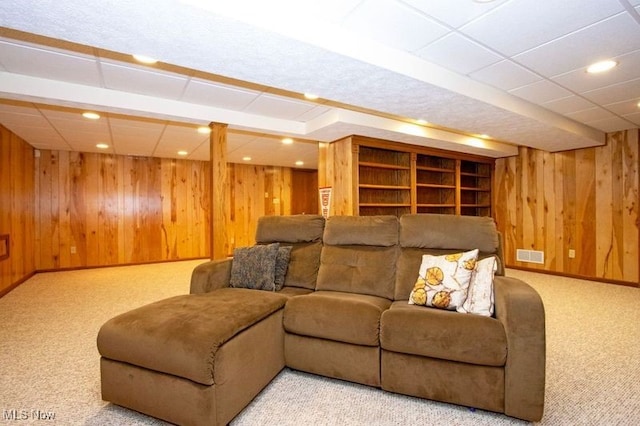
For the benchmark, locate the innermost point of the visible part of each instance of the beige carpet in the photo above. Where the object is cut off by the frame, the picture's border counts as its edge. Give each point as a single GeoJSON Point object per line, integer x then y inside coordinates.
{"type": "Point", "coordinates": [49, 364]}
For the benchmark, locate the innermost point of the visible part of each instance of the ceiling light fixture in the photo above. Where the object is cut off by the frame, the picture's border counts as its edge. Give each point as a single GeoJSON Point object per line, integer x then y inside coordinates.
{"type": "Point", "coordinates": [287, 141]}
{"type": "Point", "coordinates": [601, 66]}
{"type": "Point", "coordinates": [145, 59]}
{"type": "Point", "coordinates": [246, 158]}
{"type": "Point", "coordinates": [91, 115]}
{"type": "Point", "coordinates": [204, 130]}
{"type": "Point", "coordinates": [422, 122]}
{"type": "Point", "coordinates": [102, 146]}
{"type": "Point", "coordinates": [311, 96]}
{"type": "Point", "coordinates": [299, 163]}
{"type": "Point", "coordinates": [183, 153]}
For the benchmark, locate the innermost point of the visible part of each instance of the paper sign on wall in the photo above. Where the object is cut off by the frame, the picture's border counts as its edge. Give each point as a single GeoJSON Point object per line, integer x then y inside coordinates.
{"type": "Point", "coordinates": [325, 201]}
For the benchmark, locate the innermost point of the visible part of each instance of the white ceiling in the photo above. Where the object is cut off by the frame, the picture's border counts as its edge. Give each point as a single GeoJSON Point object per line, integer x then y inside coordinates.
{"type": "Point", "coordinates": [512, 69]}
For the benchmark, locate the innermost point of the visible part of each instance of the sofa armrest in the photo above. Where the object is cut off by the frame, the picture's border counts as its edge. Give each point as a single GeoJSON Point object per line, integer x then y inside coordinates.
{"type": "Point", "coordinates": [520, 309]}
{"type": "Point", "coordinates": [211, 276]}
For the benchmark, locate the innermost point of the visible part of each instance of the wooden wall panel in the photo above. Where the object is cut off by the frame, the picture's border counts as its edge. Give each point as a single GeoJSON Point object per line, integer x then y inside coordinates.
{"type": "Point", "coordinates": [100, 209]}
{"type": "Point", "coordinates": [585, 200]}
{"type": "Point", "coordinates": [115, 210]}
{"type": "Point", "coordinates": [17, 210]}
{"type": "Point", "coordinates": [336, 171]}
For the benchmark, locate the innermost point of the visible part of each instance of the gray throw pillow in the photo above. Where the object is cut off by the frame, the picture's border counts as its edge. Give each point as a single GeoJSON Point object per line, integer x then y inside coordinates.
{"type": "Point", "coordinates": [254, 267]}
{"type": "Point", "coordinates": [282, 264]}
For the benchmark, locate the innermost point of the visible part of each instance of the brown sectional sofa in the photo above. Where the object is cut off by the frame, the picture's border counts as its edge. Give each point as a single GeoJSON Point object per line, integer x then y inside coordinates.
{"type": "Point", "coordinates": [342, 313]}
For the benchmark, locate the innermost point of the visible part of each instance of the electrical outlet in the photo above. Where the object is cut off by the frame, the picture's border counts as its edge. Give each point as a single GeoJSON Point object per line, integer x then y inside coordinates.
{"type": "Point", "coordinates": [73, 249]}
{"type": "Point", "coordinates": [572, 253]}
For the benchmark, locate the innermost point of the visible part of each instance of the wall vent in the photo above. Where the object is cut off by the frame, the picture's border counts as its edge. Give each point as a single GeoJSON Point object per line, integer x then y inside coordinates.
{"type": "Point", "coordinates": [531, 256]}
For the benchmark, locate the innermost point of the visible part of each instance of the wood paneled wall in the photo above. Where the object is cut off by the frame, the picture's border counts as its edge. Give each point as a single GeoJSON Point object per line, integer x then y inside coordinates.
{"type": "Point", "coordinates": [264, 191]}
{"type": "Point", "coordinates": [16, 208]}
{"type": "Point", "coordinates": [98, 209]}
{"type": "Point", "coordinates": [585, 200]}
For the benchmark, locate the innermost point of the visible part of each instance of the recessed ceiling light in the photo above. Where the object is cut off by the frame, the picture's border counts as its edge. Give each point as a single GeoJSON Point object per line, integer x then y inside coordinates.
{"type": "Point", "coordinates": [638, 104]}
{"type": "Point", "coordinates": [287, 141]}
{"type": "Point", "coordinates": [246, 158]}
{"type": "Point", "coordinates": [311, 96]}
{"type": "Point", "coordinates": [422, 122]}
{"type": "Point", "coordinates": [204, 130]}
{"type": "Point", "coordinates": [299, 163]}
{"type": "Point", "coordinates": [102, 146]}
{"type": "Point", "coordinates": [483, 1]}
{"type": "Point", "coordinates": [145, 59]}
{"type": "Point", "coordinates": [484, 136]}
{"type": "Point", "coordinates": [601, 66]}
{"type": "Point", "coordinates": [183, 153]}
{"type": "Point", "coordinates": [91, 115]}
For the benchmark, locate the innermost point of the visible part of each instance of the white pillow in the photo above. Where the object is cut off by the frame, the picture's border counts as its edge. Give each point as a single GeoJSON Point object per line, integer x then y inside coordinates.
{"type": "Point", "coordinates": [480, 299]}
{"type": "Point", "coordinates": [443, 281]}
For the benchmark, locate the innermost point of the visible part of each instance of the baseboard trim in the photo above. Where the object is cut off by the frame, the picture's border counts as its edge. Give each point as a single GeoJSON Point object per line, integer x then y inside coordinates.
{"type": "Point", "coordinates": [576, 276]}
{"type": "Point", "coordinates": [13, 286]}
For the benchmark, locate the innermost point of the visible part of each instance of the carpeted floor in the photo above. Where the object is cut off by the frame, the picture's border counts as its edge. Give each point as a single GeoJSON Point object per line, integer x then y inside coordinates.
{"type": "Point", "coordinates": [49, 364]}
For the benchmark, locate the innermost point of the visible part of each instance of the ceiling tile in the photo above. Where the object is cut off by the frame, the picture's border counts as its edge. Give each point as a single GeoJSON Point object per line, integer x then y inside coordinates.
{"type": "Point", "coordinates": [625, 107]}
{"type": "Point", "coordinates": [50, 64]}
{"type": "Point", "coordinates": [393, 24]}
{"type": "Point", "coordinates": [458, 53]}
{"type": "Point", "coordinates": [580, 81]}
{"type": "Point", "coordinates": [142, 81]}
{"type": "Point", "coordinates": [541, 91]}
{"type": "Point", "coordinates": [279, 107]}
{"type": "Point", "coordinates": [611, 124]}
{"type": "Point", "coordinates": [505, 75]}
{"type": "Point", "coordinates": [590, 115]}
{"type": "Point", "coordinates": [453, 12]}
{"type": "Point", "coordinates": [179, 138]}
{"type": "Point", "coordinates": [520, 25]}
{"type": "Point", "coordinates": [313, 113]}
{"type": "Point", "coordinates": [569, 104]}
{"type": "Point", "coordinates": [218, 95]}
{"type": "Point", "coordinates": [609, 38]}
{"type": "Point", "coordinates": [629, 90]}
{"type": "Point", "coordinates": [634, 118]}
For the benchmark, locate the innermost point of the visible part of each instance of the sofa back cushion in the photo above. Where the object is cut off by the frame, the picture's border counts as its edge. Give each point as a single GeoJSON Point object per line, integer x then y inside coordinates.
{"type": "Point", "coordinates": [303, 233]}
{"type": "Point", "coordinates": [438, 234]}
{"type": "Point", "coordinates": [359, 255]}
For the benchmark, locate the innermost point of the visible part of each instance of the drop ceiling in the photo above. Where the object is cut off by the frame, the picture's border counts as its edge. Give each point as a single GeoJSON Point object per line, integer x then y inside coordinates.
{"type": "Point", "coordinates": [510, 69]}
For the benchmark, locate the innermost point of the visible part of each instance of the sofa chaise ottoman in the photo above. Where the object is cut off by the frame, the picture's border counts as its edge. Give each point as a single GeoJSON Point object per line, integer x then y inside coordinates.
{"type": "Point", "coordinates": [353, 306]}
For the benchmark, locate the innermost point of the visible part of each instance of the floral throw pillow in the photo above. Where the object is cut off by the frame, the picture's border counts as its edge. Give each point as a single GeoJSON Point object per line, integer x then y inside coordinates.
{"type": "Point", "coordinates": [443, 281]}
{"type": "Point", "coordinates": [480, 300]}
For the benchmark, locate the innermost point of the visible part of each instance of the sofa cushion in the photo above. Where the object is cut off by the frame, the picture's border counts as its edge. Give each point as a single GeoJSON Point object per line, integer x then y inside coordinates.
{"type": "Point", "coordinates": [181, 335]}
{"type": "Point", "coordinates": [304, 228]}
{"type": "Point", "coordinates": [343, 317]}
{"type": "Point", "coordinates": [254, 267]}
{"type": "Point", "coordinates": [450, 232]}
{"type": "Point", "coordinates": [443, 334]}
{"type": "Point", "coordinates": [443, 281]}
{"type": "Point", "coordinates": [282, 265]}
{"type": "Point", "coordinates": [361, 230]}
{"type": "Point", "coordinates": [358, 269]}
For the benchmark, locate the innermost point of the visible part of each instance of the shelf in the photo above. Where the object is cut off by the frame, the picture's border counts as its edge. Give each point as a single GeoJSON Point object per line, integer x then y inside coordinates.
{"type": "Point", "coordinates": [435, 185]}
{"type": "Point", "coordinates": [371, 186]}
{"type": "Point", "coordinates": [384, 166]}
{"type": "Point", "coordinates": [395, 178]}
{"type": "Point", "coordinates": [435, 169]}
{"type": "Point", "coordinates": [467, 188]}
{"type": "Point", "coordinates": [383, 205]}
